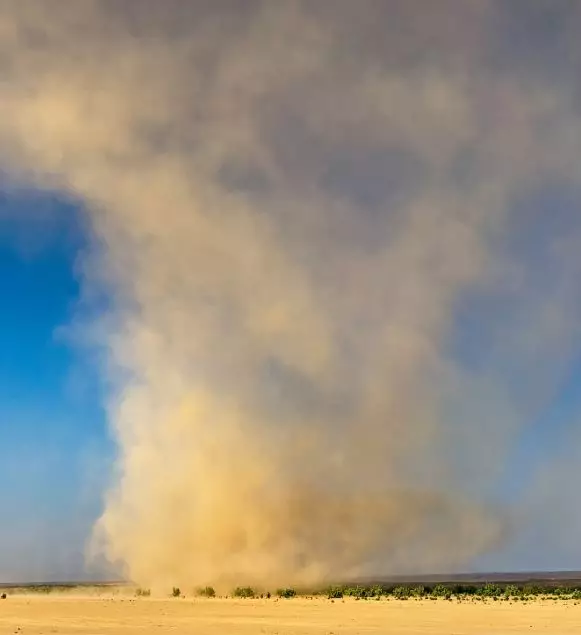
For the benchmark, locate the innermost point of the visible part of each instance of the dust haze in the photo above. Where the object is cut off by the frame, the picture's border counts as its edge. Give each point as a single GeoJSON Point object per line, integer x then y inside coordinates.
{"type": "Point", "coordinates": [334, 299]}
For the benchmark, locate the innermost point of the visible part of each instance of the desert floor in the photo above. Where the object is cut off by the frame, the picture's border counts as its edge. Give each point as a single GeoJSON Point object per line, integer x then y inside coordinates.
{"type": "Point", "coordinates": [28, 615]}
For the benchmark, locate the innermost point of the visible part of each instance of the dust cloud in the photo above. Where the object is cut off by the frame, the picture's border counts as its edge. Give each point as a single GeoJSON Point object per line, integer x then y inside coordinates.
{"type": "Point", "coordinates": [333, 305]}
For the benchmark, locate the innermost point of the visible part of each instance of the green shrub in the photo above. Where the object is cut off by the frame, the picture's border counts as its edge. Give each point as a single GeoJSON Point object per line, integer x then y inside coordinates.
{"type": "Point", "coordinates": [207, 592]}
{"type": "Point", "coordinates": [356, 592]}
{"type": "Point", "coordinates": [401, 592]}
{"type": "Point", "coordinates": [463, 589]}
{"type": "Point", "coordinates": [335, 593]}
{"type": "Point", "coordinates": [244, 592]}
{"type": "Point", "coordinates": [490, 590]}
{"type": "Point", "coordinates": [175, 592]}
{"type": "Point", "coordinates": [286, 593]}
{"type": "Point", "coordinates": [511, 591]}
{"type": "Point", "coordinates": [442, 591]}
{"type": "Point", "coordinates": [475, 592]}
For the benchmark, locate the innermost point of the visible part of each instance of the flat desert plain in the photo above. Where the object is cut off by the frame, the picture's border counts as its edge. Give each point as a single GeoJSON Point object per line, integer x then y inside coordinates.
{"type": "Point", "coordinates": [33, 615]}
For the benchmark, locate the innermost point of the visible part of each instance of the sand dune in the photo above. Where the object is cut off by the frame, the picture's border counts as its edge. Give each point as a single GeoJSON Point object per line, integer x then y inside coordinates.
{"type": "Point", "coordinates": [32, 615]}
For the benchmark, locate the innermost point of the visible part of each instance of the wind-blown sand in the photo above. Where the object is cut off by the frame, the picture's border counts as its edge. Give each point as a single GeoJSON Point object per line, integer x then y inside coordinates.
{"type": "Point", "coordinates": [28, 615]}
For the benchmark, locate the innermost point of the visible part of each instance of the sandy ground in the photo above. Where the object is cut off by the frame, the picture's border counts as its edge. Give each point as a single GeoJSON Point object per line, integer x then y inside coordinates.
{"type": "Point", "coordinates": [28, 615]}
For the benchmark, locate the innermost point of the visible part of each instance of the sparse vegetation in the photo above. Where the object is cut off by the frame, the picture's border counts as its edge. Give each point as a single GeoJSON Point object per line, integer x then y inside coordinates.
{"type": "Point", "coordinates": [483, 592]}
{"type": "Point", "coordinates": [442, 591]}
{"type": "Point", "coordinates": [475, 592]}
{"type": "Point", "coordinates": [335, 593]}
{"type": "Point", "coordinates": [244, 592]}
{"type": "Point", "coordinates": [418, 591]}
{"type": "Point", "coordinates": [490, 590]}
{"type": "Point", "coordinates": [401, 592]}
{"type": "Point", "coordinates": [512, 591]}
{"type": "Point", "coordinates": [144, 593]}
{"type": "Point", "coordinates": [207, 592]}
{"type": "Point", "coordinates": [286, 593]}
{"type": "Point", "coordinates": [357, 592]}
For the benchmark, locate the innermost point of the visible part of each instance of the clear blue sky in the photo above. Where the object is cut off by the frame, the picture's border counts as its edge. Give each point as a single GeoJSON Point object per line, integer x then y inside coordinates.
{"type": "Point", "coordinates": [54, 448]}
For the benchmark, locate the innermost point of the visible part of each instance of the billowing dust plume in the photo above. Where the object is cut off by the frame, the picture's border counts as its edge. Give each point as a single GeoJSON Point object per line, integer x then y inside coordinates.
{"type": "Point", "coordinates": [324, 330]}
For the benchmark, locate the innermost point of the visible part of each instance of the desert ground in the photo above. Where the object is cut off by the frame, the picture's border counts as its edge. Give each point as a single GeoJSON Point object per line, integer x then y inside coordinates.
{"type": "Point", "coordinates": [35, 615]}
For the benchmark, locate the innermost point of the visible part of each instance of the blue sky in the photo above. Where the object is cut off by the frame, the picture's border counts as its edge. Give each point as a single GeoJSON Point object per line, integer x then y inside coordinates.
{"type": "Point", "coordinates": [55, 451]}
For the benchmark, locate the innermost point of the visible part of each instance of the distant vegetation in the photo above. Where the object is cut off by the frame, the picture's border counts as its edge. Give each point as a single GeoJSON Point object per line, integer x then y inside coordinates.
{"type": "Point", "coordinates": [207, 592]}
{"type": "Point", "coordinates": [335, 592]}
{"type": "Point", "coordinates": [286, 593]}
{"type": "Point", "coordinates": [476, 592]}
{"type": "Point", "coordinates": [243, 592]}
{"type": "Point", "coordinates": [93, 589]}
{"type": "Point", "coordinates": [144, 593]}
